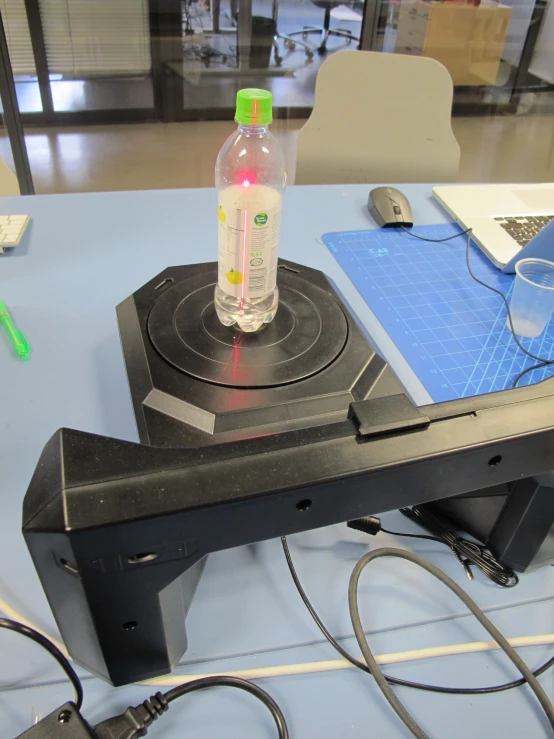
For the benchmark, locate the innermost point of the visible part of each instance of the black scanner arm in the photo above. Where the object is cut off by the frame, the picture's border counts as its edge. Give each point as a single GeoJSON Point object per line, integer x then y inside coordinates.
{"type": "Point", "coordinates": [119, 532]}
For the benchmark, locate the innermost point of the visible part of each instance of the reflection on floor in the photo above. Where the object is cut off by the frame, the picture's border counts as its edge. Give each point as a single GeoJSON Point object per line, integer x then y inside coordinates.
{"type": "Point", "coordinates": [134, 157]}
{"type": "Point", "coordinates": [99, 94]}
{"type": "Point", "coordinates": [506, 148]}
{"type": "Point", "coordinates": [159, 156]}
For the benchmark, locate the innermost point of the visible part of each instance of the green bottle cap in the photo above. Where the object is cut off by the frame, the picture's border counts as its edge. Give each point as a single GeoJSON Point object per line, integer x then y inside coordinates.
{"type": "Point", "coordinates": [254, 107]}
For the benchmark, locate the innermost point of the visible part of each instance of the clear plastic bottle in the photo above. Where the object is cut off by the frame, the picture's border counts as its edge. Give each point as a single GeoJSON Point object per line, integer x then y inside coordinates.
{"type": "Point", "coordinates": [250, 178]}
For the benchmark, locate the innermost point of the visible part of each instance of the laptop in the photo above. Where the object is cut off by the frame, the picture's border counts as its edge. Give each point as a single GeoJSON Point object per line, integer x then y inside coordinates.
{"type": "Point", "coordinates": [508, 222]}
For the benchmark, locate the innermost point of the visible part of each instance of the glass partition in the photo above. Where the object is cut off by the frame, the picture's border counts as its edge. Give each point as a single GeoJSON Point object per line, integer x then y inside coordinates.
{"type": "Point", "coordinates": [496, 52]}
{"type": "Point", "coordinates": [151, 84]}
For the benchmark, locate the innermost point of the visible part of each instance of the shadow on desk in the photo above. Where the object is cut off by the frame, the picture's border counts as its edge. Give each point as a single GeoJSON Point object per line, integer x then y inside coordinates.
{"type": "Point", "coordinates": [22, 249]}
{"type": "Point", "coordinates": [343, 549]}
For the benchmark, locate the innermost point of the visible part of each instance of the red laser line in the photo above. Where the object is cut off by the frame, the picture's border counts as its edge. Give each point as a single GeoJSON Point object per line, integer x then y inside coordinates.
{"type": "Point", "coordinates": [243, 259]}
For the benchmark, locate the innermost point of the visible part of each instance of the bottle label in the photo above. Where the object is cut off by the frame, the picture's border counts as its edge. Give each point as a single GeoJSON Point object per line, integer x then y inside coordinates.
{"type": "Point", "coordinates": [248, 250]}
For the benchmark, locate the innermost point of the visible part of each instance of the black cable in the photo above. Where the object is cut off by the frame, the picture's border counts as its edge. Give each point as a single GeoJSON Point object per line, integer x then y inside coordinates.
{"type": "Point", "coordinates": [467, 552]}
{"type": "Point", "coordinates": [6, 623]}
{"type": "Point", "coordinates": [412, 536]}
{"type": "Point", "coordinates": [542, 361]}
{"type": "Point", "coordinates": [396, 680]}
{"type": "Point", "coordinates": [376, 671]}
{"type": "Point", "coordinates": [137, 719]}
{"type": "Point", "coordinates": [134, 722]}
{"type": "Point", "coordinates": [435, 241]}
{"type": "Point", "coordinates": [530, 369]}
{"type": "Point", "coordinates": [440, 529]}
{"type": "Point", "coordinates": [234, 682]}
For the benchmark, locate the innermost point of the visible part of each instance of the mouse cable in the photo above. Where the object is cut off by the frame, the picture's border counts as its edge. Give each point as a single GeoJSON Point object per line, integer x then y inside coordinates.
{"type": "Point", "coordinates": [434, 241]}
{"type": "Point", "coordinates": [376, 672]}
{"type": "Point", "coordinates": [134, 722]}
{"type": "Point", "coordinates": [396, 680]}
{"type": "Point", "coordinates": [541, 361]}
{"type": "Point", "coordinates": [467, 552]}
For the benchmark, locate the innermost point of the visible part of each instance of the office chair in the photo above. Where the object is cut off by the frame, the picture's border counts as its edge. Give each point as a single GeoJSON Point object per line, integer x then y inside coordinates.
{"type": "Point", "coordinates": [325, 31]}
{"type": "Point", "coordinates": [379, 118]}
{"type": "Point", "coordinates": [289, 42]}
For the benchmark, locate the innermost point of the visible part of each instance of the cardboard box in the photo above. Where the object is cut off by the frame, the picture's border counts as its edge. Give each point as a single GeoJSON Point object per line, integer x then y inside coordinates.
{"type": "Point", "coordinates": [468, 40]}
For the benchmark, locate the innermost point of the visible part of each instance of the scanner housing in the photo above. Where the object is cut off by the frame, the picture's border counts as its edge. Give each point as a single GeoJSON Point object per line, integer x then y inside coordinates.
{"type": "Point", "coordinates": [245, 437]}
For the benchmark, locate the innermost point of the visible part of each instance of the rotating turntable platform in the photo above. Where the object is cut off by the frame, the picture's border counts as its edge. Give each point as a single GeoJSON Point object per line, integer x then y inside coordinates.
{"type": "Point", "coordinates": [195, 381]}
{"type": "Point", "coordinates": [307, 335]}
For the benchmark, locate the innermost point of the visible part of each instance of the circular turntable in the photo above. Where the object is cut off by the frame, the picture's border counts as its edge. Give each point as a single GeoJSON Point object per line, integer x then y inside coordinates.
{"type": "Point", "coordinates": [307, 334]}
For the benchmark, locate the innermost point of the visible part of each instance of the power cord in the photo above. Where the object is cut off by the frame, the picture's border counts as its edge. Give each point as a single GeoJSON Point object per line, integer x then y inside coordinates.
{"type": "Point", "coordinates": [467, 553]}
{"type": "Point", "coordinates": [382, 680]}
{"type": "Point", "coordinates": [235, 682]}
{"type": "Point", "coordinates": [134, 722]}
{"type": "Point", "coordinates": [395, 680]}
{"type": "Point", "coordinates": [541, 361]}
{"type": "Point", "coordinates": [6, 623]}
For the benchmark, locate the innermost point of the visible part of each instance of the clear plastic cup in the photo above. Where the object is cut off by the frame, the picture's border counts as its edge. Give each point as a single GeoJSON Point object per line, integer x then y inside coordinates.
{"type": "Point", "coordinates": [532, 302]}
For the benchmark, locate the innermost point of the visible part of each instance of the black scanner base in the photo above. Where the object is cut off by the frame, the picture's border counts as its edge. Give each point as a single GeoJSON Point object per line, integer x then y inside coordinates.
{"type": "Point", "coordinates": [243, 438]}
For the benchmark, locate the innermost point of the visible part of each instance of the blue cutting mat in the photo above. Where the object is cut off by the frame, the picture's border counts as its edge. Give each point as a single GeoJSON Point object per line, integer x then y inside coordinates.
{"type": "Point", "coordinates": [451, 330]}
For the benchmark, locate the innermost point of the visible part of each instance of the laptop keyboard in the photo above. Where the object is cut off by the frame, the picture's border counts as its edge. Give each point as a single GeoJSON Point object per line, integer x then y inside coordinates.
{"type": "Point", "coordinates": [523, 228]}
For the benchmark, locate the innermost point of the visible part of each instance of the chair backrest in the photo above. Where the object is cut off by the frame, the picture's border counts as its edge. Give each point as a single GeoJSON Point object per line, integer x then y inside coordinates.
{"type": "Point", "coordinates": [8, 181]}
{"type": "Point", "coordinates": [379, 117]}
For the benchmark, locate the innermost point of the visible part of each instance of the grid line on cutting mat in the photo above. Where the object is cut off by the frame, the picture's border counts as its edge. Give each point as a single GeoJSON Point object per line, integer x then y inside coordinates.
{"type": "Point", "coordinates": [451, 330]}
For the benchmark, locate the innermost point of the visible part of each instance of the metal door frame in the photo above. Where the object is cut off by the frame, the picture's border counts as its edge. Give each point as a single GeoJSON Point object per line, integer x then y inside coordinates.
{"type": "Point", "coordinates": [162, 19]}
{"type": "Point", "coordinates": [12, 119]}
{"type": "Point", "coordinates": [370, 22]}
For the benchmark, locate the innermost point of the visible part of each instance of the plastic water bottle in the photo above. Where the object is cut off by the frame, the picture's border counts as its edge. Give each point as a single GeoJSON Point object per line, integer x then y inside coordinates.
{"type": "Point", "coordinates": [250, 177]}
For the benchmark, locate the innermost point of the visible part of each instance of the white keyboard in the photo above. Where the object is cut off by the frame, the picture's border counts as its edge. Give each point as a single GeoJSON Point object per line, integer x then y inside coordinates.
{"type": "Point", "coordinates": [12, 229]}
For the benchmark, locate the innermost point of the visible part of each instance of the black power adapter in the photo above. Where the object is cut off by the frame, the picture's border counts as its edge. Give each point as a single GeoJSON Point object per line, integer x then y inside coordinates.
{"type": "Point", "coordinates": [65, 722]}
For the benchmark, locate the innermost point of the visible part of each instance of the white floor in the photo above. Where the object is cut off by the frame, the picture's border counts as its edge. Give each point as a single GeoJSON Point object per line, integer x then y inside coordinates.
{"type": "Point", "coordinates": [159, 156]}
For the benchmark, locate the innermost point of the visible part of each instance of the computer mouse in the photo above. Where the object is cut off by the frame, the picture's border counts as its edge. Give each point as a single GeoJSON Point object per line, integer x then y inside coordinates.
{"type": "Point", "coordinates": [389, 207]}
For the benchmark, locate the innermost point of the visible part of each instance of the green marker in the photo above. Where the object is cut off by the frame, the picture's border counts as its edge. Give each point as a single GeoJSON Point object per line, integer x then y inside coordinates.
{"type": "Point", "coordinates": [16, 337]}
